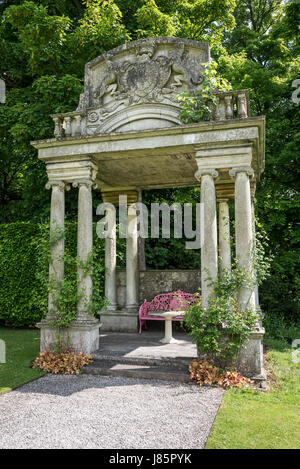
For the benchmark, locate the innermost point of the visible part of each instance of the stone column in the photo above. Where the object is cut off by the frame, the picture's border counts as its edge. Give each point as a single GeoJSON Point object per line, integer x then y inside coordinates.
{"type": "Point", "coordinates": [48, 334]}
{"type": "Point", "coordinates": [256, 295]}
{"type": "Point", "coordinates": [243, 229]}
{"type": "Point", "coordinates": [84, 245]}
{"type": "Point", "coordinates": [209, 245]}
{"type": "Point", "coordinates": [224, 235]}
{"type": "Point", "coordinates": [141, 243]}
{"type": "Point", "coordinates": [57, 224]}
{"type": "Point", "coordinates": [84, 331]}
{"type": "Point", "coordinates": [132, 260]}
{"type": "Point", "coordinates": [111, 260]}
{"type": "Point", "coordinates": [250, 359]}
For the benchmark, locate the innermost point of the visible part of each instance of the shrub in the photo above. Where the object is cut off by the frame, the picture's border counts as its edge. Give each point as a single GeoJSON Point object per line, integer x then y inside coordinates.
{"type": "Point", "coordinates": [206, 374]}
{"type": "Point", "coordinates": [62, 363]}
{"type": "Point", "coordinates": [24, 270]}
{"type": "Point", "coordinates": [19, 287]}
{"type": "Point", "coordinates": [221, 328]}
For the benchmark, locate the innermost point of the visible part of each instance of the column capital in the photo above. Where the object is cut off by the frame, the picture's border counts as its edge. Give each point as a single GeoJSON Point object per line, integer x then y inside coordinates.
{"type": "Point", "coordinates": [57, 183]}
{"type": "Point", "coordinates": [85, 182]}
{"type": "Point", "coordinates": [241, 169]}
{"type": "Point", "coordinates": [222, 200]}
{"type": "Point", "coordinates": [202, 172]}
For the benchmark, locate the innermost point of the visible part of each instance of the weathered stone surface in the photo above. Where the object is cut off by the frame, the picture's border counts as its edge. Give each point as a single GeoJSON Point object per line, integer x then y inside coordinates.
{"type": "Point", "coordinates": [209, 243]}
{"type": "Point", "coordinates": [244, 231]}
{"type": "Point", "coordinates": [141, 80]}
{"type": "Point", "coordinates": [57, 224]}
{"type": "Point", "coordinates": [119, 321]}
{"type": "Point", "coordinates": [157, 158]}
{"type": "Point", "coordinates": [132, 275]}
{"type": "Point", "coordinates": [83, 338]}
{"type": "Point", "coordinates": [224, 235]}
{"type": "Point", "coordinates": [250, 359]}
{"type": "Point", "coordinates": [154, 282]}
{"type": "Point", "coordinates": [136, 86]}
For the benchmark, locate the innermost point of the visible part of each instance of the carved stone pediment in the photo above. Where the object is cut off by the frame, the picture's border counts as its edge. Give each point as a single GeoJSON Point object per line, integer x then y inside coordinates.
{"type": "Point", "coordinates": [136, 85]}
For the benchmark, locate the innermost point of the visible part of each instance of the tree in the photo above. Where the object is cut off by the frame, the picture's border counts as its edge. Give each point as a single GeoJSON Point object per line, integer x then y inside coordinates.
{"type": "Point", "coordinates": [44, 74]}
{"type": "Point", "coordinates": [44, 71]}
{"type": "Point", "coordinates": [262, 54]}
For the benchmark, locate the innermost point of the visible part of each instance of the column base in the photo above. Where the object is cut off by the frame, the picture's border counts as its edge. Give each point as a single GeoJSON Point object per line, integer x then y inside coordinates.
{"type": "Point", "coordinates": [250, 361]}
{"type": "Point", "coordinates": [83, 337]}
{"type": "Point", "coordinates": [112, 307]}
{"type": "Point", "coordinates": [119, 321]}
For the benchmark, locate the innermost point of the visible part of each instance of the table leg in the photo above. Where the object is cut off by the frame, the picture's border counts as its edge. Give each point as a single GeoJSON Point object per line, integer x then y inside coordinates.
{"type": "Point", "coordinates": [168, 339]}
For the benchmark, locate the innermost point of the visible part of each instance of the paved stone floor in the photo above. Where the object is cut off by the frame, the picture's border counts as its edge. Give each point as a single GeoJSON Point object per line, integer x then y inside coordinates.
{"type": "Point", "coordinates": [107, 412]}
{"type": "Point", "coordinates": [146, 345]}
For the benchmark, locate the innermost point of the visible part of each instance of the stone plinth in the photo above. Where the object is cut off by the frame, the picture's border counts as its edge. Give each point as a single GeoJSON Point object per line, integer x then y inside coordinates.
{"type": "Point", "coordinates": [119, 321]}
{"type": "Point", "coordinates": [250, 359]}
{"type": "Point", "coordinates": [83, 338]}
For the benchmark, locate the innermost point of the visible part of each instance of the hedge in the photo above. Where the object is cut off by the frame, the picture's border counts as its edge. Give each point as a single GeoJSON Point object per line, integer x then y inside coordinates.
{"type": "Point", "coordinates": [23, 298]}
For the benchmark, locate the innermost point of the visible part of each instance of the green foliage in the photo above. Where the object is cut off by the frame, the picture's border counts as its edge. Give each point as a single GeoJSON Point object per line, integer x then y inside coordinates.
{"type": "Point", "coordinates": [205, 20]}
{"type": "Point", "coordinates": [24, 264]}
{"type": "Point", "coordinates": [153, 22]}
{"type": "Point", "coordinates": [220, 329]}
{"type": "Point", "coordinates": [171, 253]}
{"type": "Point", "coordinates": [99, 30]}
{"type": "Point", "coordinates": [65, 292]}
{"type": "Point", "coordinates": [201, 104]}
{"type": "Point", "coordinates": [20, 290]}
{"type": "Point", "coordinates": [262, 54]}
{"type": "Point", "coordinates": [42, 36]}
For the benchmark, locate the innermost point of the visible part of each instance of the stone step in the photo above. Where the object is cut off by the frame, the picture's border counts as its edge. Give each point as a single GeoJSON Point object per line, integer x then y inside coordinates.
{"type": "Point", "coordinates": [177, 363]}
{"type": "Point", "coordinates": [134, 370]}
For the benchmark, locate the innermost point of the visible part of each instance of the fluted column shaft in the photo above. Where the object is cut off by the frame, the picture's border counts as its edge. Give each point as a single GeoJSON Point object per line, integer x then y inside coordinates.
{"type": "Point", "coordinates": [57, 224]}
{"type": "Point", "coordinates": [111, 259]}
{"type": "Point", "coordinates": [132, 260]}
{"type": "Point", "coordinates": [84, 247]}
{"type": "Point", "coordinates": [254, 233]}
{"type": "Point", "coordinates": [209, 244]}
{"type": "Point", "coordinates": [224, 235]}
{"type": "Point", "coordinates": [244, 231]}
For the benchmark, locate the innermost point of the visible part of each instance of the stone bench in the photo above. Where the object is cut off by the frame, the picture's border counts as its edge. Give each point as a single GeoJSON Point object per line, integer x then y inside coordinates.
{"type": "Point", "coordinates": [173, 301]}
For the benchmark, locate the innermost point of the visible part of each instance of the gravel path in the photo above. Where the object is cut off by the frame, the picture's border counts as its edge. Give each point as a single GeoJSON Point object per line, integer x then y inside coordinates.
{"type": "Point", "coordinates": [104, 412]}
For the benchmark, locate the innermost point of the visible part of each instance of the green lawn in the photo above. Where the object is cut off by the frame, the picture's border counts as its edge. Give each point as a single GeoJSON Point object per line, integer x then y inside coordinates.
{"type": "Point", "coordinates": [254, 420]}
{"type": "Point", "coordinates": [22, 347]}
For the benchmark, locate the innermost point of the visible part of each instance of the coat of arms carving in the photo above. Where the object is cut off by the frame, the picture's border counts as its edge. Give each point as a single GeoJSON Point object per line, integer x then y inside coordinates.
{"type": "Point", "coordinates": [149, 78]}
{"type": "Point", "coordinates": [144, 73]}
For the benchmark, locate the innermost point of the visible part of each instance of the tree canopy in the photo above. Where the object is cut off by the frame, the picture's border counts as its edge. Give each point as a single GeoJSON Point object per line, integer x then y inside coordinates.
{"type": "Point", "coordinates": [45, 44]}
